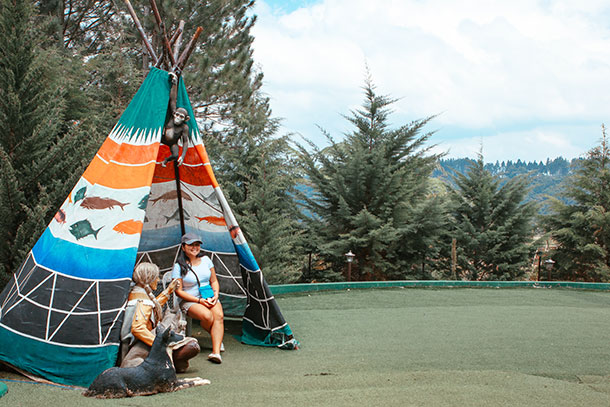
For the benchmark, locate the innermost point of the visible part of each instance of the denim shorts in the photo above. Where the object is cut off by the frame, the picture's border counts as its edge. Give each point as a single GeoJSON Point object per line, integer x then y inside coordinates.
{"type": "Point", "coordinates": [185, 305]}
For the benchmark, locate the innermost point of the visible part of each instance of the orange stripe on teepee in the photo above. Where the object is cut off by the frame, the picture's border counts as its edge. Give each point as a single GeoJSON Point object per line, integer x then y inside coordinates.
{"type": "Point", "coordinates": [191, 157]}
{"type": "Point", "coordinates": [127, 153]}
{"type": "Point", "coordinates": [195, 170]}
{"type": "Point", "coordinates": [118, 176]}
{"type": "Point", "coordinates": [203, 155]}
{"type": "Point", "coordinates": [197, 175]}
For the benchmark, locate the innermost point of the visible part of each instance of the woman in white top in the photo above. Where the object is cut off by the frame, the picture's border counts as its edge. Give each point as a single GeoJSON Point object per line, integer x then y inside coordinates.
{"type": "Point", "coordinates": [193, 270]}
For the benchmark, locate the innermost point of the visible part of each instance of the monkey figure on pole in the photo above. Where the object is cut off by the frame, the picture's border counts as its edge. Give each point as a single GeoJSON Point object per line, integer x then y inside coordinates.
{"type": "Point", "coordinates": [176, 128]}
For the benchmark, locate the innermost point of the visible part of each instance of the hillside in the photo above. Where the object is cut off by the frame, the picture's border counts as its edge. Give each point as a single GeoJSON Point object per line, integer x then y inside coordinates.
{"type": "Point", "coordinates": [546, 178]}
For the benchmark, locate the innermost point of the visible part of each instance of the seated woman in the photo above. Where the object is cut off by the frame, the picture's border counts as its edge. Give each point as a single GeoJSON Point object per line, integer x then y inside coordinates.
{"type": "Point", "coordinates": [142, 315]}
{"type": "Point", "coordinates": [198, 289]}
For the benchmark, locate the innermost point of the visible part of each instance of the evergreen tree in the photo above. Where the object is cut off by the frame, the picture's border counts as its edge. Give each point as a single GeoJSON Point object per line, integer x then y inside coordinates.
{"type": "Point", "coordinates": [426, 235]}
{"type": "Point", "coordinates": [258, 175]}
{"type": "Point", "coordinates": [369, 194]}
{"type": "Point", "coordinates": [581, 227]}
{"type": "Point", "coordinates": [252, 163]}
{"type": "Point", "coordinates": [45, 138]}
{"type": "Point", "coordinates": [220, 75]}
{"type": "Point", "coordinates": [82, 24]}
{"type": "Point", "coordinates": [111, 80]}
{"type": "Point", "coordinates": [102, 68]}
{"type": "Point", "coordinates": [491, 224]}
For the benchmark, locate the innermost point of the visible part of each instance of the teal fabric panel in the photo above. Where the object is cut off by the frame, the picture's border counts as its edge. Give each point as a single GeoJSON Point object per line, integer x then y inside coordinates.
{"type": "Point", "coordinates": [252, 335]}
{"type": "Point", "coordinates": [76, 366]}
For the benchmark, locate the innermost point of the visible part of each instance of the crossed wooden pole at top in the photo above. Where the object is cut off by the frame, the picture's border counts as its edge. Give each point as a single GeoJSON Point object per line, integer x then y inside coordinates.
{"type": "Point", "coordinates": [176, 62]}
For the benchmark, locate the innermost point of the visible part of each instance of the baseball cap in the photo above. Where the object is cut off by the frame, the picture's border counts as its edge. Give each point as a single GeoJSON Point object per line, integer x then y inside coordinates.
{"type": "Point", "coordinates": [190, 238]}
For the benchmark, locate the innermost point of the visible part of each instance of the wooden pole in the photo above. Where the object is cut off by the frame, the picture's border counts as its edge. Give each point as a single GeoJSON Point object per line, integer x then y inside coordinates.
{"type": "Point", "coordinates": [309, 268]}
{"type": "Point", "coordinates": [172, 41]}
{"type": "Point", "coordinates": [149, 47]}
{"type": "Point", "coordinates": [178, 39]}
{"type": "Point", "coordinates": [453, 258]}
{"type": "Point", "coordinates": [179, 196]}
{"type": "Point", "coordinates": [161, 25]}
{"type": "Point", "coordinates": [188, 50]}
{"type": "Point", "coordinates": [423, 264]}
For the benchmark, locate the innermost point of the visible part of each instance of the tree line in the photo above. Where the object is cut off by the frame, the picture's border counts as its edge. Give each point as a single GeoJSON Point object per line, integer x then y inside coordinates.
{"type": "Point", "coordinates": [69, 68]}
{"type": "Point", "coordinates": [546, 179]}
{"type": "Point", "coordinates": [557, 167]}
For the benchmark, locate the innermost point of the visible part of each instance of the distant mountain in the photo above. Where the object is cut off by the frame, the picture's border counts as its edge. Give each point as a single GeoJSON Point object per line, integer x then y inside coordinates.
{"type": "Point", "coordinates": [546, 178]}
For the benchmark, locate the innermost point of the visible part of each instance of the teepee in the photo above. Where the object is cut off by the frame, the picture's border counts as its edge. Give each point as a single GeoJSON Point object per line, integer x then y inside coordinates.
{"type": "Point", "coordinates": [61, 314]}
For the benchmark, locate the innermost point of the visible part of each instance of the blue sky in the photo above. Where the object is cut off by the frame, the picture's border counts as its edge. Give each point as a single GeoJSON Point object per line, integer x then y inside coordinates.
{"type": "Point", "coordinates": [523, 79]}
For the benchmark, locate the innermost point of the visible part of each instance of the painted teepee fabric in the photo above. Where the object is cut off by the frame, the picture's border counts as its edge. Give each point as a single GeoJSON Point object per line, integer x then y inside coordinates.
{"type": "Point", "coordinates": [205, 212]}
{"type": "Point", "coordinates": [60, 316]}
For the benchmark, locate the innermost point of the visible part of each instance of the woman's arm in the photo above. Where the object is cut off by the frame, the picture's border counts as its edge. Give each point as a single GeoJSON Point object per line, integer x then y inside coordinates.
{"type": "Point", "coordinates": [183, 294]}
{"type": "Point", "coordinates": [215, 286]}
{"type": "Point", "coordinates": [214, 283]}
{"type": "Point", "coordinates": [180, 286]}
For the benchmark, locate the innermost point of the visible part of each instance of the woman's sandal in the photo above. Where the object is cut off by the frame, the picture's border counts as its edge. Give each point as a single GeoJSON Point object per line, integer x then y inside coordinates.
{"type": "Point", "coordinates": [215, 358]}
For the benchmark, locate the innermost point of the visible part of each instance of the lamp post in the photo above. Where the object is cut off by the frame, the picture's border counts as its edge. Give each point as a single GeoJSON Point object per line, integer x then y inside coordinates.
{"type": "Point", "coordinates": [548, 264]}
{"type": "Point", "coordinates": [350, 258]}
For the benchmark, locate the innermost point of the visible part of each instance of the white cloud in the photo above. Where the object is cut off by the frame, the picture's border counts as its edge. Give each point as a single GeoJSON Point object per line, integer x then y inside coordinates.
{"type": "Point", "coordinates": [485, 65]}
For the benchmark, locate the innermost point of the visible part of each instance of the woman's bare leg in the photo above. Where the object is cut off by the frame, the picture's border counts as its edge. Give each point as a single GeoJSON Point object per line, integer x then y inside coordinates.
{"type": "Point", "coordinates": [212, 320]}
{"type": "Point", "coordinates": [217, 330]}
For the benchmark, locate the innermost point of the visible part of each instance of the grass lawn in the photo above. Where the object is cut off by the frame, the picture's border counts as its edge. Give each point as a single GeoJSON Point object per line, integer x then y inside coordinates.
{"type": "Point", "coordinates": [403, 347]}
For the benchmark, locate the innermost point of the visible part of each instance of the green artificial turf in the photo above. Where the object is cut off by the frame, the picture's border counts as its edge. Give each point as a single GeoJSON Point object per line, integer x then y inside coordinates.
{"type": "Point", "coordinates": [401, 346]}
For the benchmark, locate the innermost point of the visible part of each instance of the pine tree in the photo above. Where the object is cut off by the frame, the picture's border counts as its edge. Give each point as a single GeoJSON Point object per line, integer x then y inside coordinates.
{"type": "Point", "coordinates": [426, 235]}
{"type": "Point", "coordinates": [252, 163]}
{"type": "Point", "coordinates": [45, 138]}
{"type": "Point", "coordinates": [369, 194]}
{"type": "Point", "coordinates": [581, 227]}
{"type": "Point", "coordinates": [83, 24]}
{"type": "Point", "coordinates": [491, 224]}
{"type": "Point", "coordinates": [220, 75]}
{"type": "Point", "coordinates": [258, 175]}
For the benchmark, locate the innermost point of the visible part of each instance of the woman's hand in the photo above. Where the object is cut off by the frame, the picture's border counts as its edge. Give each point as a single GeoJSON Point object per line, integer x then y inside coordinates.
{"type": "Point", "coordinates": [209, 302]}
